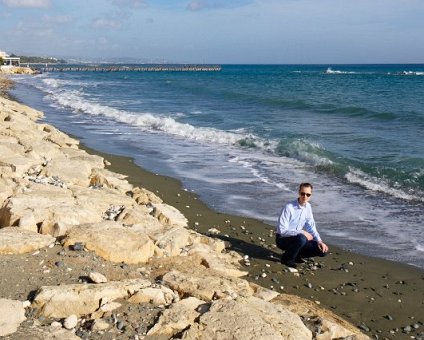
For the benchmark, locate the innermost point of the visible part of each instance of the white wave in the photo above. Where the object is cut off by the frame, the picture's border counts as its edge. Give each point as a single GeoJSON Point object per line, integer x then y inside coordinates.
{"type": "Point", "coordinates": [378, 185]}
{"type": "Point", "coordinates": [410, 73]}
{"type": "Point", "coordinates": [419, 247]}
{"type": "Point", "coordinates": [331, 71]}
{"type": "Point", "coordinates": [152, 123]}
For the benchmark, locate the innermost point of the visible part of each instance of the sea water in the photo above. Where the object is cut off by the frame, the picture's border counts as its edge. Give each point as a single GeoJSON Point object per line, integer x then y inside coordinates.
{"type": "Point", "coordinates": [245, 137]}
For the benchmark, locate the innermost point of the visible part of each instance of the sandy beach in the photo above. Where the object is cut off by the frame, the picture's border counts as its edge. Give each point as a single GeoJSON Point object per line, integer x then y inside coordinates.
{"type": "Point", "coordinates": [384, 299]}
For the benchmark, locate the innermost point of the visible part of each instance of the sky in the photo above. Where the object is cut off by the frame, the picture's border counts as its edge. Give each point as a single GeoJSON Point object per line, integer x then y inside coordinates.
{"type": "Point", "coordinates": [217, 31]}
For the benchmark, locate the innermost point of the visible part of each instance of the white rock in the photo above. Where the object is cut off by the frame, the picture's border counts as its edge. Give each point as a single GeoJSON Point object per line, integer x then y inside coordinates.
{"type": "Point", "coordinates": [12, 313]}
{"type": "Point", "coordinates": [70, 322]}
{"type": "Point", "coordinates": [97, 277]}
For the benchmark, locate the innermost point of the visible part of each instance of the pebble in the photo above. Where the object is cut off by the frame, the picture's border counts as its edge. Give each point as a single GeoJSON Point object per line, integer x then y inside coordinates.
{"type": "Point", "coordinates": [309, 285]}
{"type": "Point", "coordinates": [78, 246]}
{"type": "Point", "coordinates": [407, 329]}
{"type": "Point", "coordinates": [263, 275]}
{"type": "Point", "coordinates": [364, 327]}
{"type": "Point", "coordinates": [292, 270]}
{"type": "Point", "coordinates": [97, 277]}
{"type": "Point", "coordinates": [388, 317]}
{"type": "Point", "coordinates": [56, 324]}
{"type": "Point", "coordinates": [120, 325]}
{"type": "Point", "coordinates": [70, 322]}
{"type": "Point", "coordinates": [59, 264]}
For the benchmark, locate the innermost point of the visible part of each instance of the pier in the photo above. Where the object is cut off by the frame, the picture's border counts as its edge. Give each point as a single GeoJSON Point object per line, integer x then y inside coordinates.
{"type": "Point", "coordinates": [138, 68]}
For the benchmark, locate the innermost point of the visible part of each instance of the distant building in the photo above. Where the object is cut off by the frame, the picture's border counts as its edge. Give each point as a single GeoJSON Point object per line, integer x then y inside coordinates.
{"type": "Point", "coordinates": [10, 61]}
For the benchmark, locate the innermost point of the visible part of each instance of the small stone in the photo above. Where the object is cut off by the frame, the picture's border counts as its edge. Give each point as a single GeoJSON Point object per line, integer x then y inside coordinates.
{"type": "Point", "coordinates": [100, 325]}
{"type": "Point", "coordinates": [97, 277]}
{"type": "Point", "coordinates": [263, 275]}
{"type": "Point", "coordinates": [388, 317]}
{"type": "Point", "coordinates": [70, 322]}
{"type": "Point", "coordinates": [59, 264]}
{"type": "Point", "coordinates": [214, 231]}
{"type": "Point", "coordinates": [407, 329]}
{"type": "Point", "coordinates": [56, 324]}
{"type": "Point", "coordinates": [309, 285]}
{"type": "Point", "coordinates": [292, 270]}
{"type": "Point", "coordinates": [78, 246]}
{"type": "Point", "coordinates": [120, 325]}
{"type": "Point", "coordinates": [364, 327]}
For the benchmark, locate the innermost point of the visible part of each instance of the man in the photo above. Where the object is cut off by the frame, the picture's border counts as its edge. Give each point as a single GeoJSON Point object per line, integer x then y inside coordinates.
{"type": "Point", "coordinates": [296, 231]}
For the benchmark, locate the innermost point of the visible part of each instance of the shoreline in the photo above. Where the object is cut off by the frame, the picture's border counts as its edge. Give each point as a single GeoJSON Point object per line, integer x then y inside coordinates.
{"type": "Point", "coordinates": [380, 297]}
{"type": "Point", "coordinates": [363, 290]}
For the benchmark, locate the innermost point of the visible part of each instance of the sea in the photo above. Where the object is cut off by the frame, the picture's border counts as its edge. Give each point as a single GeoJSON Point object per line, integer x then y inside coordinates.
{"type": "Point", "coordinates": [243, 138]}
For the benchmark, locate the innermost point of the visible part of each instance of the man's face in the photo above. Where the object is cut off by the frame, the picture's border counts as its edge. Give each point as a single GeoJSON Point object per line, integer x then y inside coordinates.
{"type": "Point", "coordinates": [304, 195]}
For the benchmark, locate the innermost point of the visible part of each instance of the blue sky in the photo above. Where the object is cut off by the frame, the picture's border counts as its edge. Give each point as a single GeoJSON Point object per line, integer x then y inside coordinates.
{"type": "Point", "coordinates": [217, 31]}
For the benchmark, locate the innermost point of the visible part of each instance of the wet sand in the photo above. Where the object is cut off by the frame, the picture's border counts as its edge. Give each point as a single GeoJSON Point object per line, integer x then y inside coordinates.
{"type": "Point", "coordinates": [384, 299]}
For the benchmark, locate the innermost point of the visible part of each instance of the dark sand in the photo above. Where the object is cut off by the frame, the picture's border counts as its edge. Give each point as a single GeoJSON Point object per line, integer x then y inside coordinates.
{"type": "Point", "coordinates": [385, 299]}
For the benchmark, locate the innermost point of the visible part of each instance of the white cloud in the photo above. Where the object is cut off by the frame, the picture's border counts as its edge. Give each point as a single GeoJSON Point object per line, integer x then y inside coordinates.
{"type": "Point", "coordinates": [197, 5]}
{"type": "Point", "coordinates": [106, 23]}
{"type": "Point", "coordinates": [57, 20]}
{"type": "Point", "coordinates": [27, 3]}
{"type": "Point", "coordinates": [130, 3]}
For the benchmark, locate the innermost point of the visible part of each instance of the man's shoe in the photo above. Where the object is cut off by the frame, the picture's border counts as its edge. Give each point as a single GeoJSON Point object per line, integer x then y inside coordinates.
{"type": "Point", "coordinates": [300, 260]}
{"type": "Point", "coordinates": [290, 264]}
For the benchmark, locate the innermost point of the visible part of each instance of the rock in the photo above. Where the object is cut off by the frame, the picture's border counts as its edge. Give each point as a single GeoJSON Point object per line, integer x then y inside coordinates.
{"type": "Point", "coordinates": [112, 241]}
{"type": "Point", "coordinates": [263, 293]}
{"type": "Point", "coordinates": [169, 215]}
{"type": "Point", "coordinates": [110, 306]}
{"type": "Point", "coordinates": [100, 325]}
{"type": "Point", "coordinates": [12, 314]}
{"type": "Point", "coordinates": [19, 241]}
{"type": "Point", "coordinates": [206, 285]}
{"type": "Point", "coordinates": [62, 301]}
{"type": "Point", "coordinates": [226, 264]}
{"type": "Point", "coordinates": [178, 317]}
{"type": "Point", "coordinates": [97, 277]}
{"type": "Point", "coordinates": [28, 222]}
{"type": "Point", "coordinates": [70, 322]}
{"type": "Point", "coordinates": [144, 197]}
{"type": "Point", "coordinates": [172, 240]}
{"type": "Point", "coordinates": [328, 319]}
{"type": "Point", "coordinates": [247, 318]}
{"type": "Point", "coordinates": [156, 295]}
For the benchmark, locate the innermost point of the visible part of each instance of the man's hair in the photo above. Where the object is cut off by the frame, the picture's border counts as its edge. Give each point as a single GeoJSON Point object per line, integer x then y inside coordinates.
{"type": "Point", "coordinates": [305, 185]}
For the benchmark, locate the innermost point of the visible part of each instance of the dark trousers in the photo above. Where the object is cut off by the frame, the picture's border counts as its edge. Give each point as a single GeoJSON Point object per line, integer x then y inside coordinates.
{"type": "Point", "coordinates": [297, 247]}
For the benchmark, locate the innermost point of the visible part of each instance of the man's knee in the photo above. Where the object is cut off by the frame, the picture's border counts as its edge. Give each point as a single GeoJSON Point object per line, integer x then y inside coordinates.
{"type": "Point", "coordinates": [301, 240]}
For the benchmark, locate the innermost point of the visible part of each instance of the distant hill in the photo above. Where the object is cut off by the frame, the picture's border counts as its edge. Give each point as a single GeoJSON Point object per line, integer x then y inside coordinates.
{"type": "Point", "coordinates": [39, 60]}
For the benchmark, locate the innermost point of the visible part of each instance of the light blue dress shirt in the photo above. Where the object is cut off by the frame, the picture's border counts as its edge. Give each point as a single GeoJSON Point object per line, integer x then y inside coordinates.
{"type": "Point", "coordinates": [294, 218]}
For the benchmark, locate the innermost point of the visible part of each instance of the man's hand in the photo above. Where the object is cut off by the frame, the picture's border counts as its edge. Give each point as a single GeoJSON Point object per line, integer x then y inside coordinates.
{"type": "Point", "coordinates": [322, 246]}
{"type": "Point", "coordinates": [308, 235]}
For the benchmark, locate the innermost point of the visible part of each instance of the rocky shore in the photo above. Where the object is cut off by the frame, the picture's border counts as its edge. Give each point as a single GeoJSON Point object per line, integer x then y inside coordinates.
{"type": "Point", "coordinates": [86, 252]}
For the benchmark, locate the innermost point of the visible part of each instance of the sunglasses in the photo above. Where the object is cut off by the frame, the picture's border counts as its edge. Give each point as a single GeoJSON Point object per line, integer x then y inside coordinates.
{"type": "Point", "coordinates": [305, 194]}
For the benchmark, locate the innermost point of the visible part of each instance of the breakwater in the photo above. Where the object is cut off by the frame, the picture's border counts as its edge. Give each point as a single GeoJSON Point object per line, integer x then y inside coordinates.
{"type": "Point", "coordinates": [138, 68]}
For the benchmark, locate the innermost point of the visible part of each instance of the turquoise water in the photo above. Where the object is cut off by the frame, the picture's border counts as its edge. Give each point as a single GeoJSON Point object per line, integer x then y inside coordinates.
{"type": "Point", "coordinates": [243, 138]}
